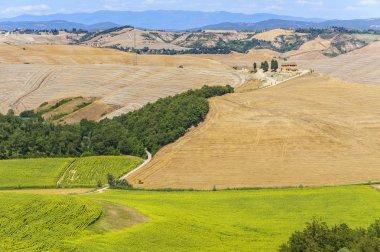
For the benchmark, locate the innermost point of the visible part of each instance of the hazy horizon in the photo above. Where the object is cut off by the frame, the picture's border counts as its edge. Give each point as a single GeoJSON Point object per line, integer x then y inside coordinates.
{"type": "Point", "coordinates": [351, 9]}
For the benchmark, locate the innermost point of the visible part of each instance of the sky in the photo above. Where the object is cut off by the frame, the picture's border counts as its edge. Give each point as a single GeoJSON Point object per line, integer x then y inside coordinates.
{"type": "Point", "coordinates": [328, 9]}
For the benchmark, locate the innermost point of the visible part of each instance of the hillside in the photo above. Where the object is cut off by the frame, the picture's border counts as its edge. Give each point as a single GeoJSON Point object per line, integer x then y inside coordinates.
{"type": "Point", "coordinates": [34, 74]}
{"type": "Point", "coordinates": [43, 173]}
{"type": "Point", "coordinates": [310, 131]}
{"type": "Point", "coordinates": [361, 66]}
{"type": "Point", "coordinates": [45, 38]}
{"type": "Point", "coordinates": [224, 41]}
{"type": "Point", "coordinates": [363, 24]}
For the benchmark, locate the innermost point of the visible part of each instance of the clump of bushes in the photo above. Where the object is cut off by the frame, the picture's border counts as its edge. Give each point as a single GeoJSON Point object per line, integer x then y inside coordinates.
{"type": "Point", "coordinates": [318, 236]}
{"type": "Point", "coordinates": [118, 183]}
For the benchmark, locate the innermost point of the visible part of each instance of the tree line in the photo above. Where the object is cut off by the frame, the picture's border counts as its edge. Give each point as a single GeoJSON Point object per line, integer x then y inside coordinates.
{"type": "Point", "coordinates": [265, 66]}
{"type": "Point", "coordinates": [151, 127]}
{"type": "Point", "coordinates": [163, 51]}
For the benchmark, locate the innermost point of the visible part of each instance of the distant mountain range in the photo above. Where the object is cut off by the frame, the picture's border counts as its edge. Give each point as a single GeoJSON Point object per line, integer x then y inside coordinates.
{"type": "Point", "coordinates": [158, 20]}
{"type": "Point", "coordinates": [177, 21]}
{"type": "Point", "coordinates": [55, 24]}
{"type": "Point", "coordinates": [364, 24]}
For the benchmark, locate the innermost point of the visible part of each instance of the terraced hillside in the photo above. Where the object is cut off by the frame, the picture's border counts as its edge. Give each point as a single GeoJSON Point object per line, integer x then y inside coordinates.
{"type": "Point", "coordinates": [34, 74]}
{"type": "Point", "coordinates": [311, 131]}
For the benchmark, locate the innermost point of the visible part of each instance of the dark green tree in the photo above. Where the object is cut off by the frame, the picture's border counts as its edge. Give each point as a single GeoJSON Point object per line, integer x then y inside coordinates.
{"type": "Point", "coordinates": [274, 65]}
{"type": "Point", "coordinates": [318, 236]}
{"type": "Point", "coordinates": [265, 66]}
{"type": "Point", "coordinates": [151, 127]}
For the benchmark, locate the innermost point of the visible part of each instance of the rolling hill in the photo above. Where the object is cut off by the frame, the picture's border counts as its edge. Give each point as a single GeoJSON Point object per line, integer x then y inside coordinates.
{"type": "Point", "coordinates": [310, 131]}
{"type": "Point", "coordinates": [362, 24]}
{"type": "Point", "coordinates": [34, 74]}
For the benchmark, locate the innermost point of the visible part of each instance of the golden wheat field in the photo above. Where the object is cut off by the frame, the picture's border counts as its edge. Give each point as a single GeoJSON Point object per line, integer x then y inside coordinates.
{"type": "Point", "coordinates": [271, 35]}
{"type": "Point", "coordinates": [361, 65]}
{"type": "Point", "coordinates": [311, 131]}
{"type": "Point", "coordinates": [33, 74]}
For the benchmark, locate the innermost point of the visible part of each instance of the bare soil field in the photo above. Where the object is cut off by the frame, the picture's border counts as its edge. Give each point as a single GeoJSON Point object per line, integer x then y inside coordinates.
{"type": "Point", "coordinates": [33, 74]}
{"type": "Point", "coordinates": [310, 131]}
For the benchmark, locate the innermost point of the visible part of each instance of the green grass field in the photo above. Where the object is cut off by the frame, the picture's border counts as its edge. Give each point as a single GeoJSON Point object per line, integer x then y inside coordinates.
{"type": "Point", "coordinates": [247, 220]}
{"type": "Point", "coordinates": [81, 172]}
{"type": "Point", "coordinates": [43, 223]}
{"type": "Point", "coordinates": [88, 171]}
{"type": "Point", "coordinates": [232, 220]}
{"type": "Point", "coordinates": [43, 172]}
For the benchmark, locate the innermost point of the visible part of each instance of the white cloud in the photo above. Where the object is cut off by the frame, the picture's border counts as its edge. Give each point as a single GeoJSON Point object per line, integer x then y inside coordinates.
{"type": "Point", "coordinates": [151, 2]}
{"type": "Point", "coordinates": [368, 2]}
{"type": "Point", "coordinates": [25, 9]}
{"type": "Point", "coordinates": [361, 5]}
{"type": "Point", "coordinates": [309, 2]}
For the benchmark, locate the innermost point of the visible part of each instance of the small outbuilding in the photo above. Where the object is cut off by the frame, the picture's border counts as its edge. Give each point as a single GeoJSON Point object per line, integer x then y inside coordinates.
{"type": "Point", "coordinates": [289, 67]}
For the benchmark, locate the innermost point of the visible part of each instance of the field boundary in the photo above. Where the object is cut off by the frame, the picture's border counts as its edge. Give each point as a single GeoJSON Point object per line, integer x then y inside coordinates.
{"type": "Point", "coordinates": [101, 190]}
{"type": "Point", "coordinates": [147, 161]}
{"type": "Point", "coordinates": [300, 187]}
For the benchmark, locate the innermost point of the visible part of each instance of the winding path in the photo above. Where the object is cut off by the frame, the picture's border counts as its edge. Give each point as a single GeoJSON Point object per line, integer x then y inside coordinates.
{"type": "Point", "coordinates": [125, 177]}
{"type": "Point", "coordinates": [147, 161]}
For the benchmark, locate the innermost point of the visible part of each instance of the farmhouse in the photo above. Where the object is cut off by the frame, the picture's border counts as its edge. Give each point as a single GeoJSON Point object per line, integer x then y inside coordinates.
{"type": "Point", "coordinates": [289, 67]}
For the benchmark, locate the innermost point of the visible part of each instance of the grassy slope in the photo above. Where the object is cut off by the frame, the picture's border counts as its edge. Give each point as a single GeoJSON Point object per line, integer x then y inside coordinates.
{"type": "Point", "coordinates": [45, 172]}
{"type": "Point", "coordinates": [43, 223]}
{"type": "Point", "coordinates": [89, 170]}
{"type": "Point", "coordinates": [231, 220]}
{"type": "Point", "coordinates": [32, 172]}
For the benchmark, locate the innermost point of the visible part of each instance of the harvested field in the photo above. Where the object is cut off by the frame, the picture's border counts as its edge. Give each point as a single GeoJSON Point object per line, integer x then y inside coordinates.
{"type": "Point", "coordinates": [58, 72]}
{"type": "Point", "coordinates": [129, 36]}
{"type": "Point", "coordinates": [273, 34]}
{"type": "Point", "coordinates": [311, 131]}
{"type": "Point", "coordinates": [310, 50]}
{"type": "Point", "coordinates": [361, 65]}
{"type": "Point", "coordinates": [241, 59]}
{"type": "Point", "coordinates": [22, 39]}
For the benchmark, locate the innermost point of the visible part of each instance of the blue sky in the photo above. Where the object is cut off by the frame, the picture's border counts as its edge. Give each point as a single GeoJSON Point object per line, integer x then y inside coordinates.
{"type": "Point", "coordinates": [337, 9]}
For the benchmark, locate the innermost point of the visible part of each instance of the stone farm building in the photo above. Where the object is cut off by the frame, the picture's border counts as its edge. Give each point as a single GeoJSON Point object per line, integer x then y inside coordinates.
{"type": "Point", "coordinates": [289, 67]}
